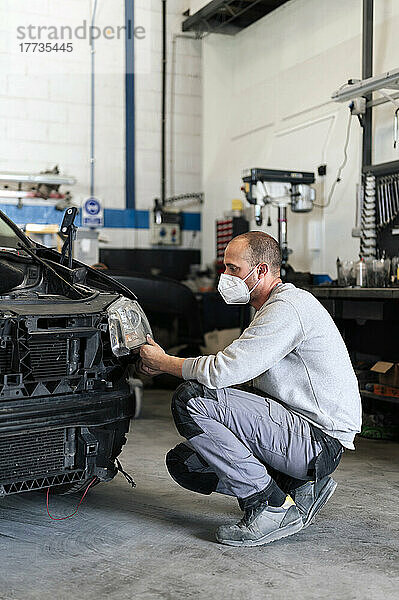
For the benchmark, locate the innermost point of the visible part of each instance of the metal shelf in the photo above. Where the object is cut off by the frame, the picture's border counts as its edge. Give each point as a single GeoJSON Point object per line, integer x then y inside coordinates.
{"type": "Point", "coordinates": [229, 16]}
{"type": "Point", "coordinates": [36, 179]}
{"type": "Point", "coordinates": [388, 293]}
{"type": "Point", "coordinates": [382, 169]}
{"type": "Point", "coordinates": [372, 396]}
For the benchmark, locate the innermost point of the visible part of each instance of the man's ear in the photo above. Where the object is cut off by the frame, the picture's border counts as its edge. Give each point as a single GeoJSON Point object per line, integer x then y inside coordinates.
{"type": "Point", "coordinates": [263, 269]}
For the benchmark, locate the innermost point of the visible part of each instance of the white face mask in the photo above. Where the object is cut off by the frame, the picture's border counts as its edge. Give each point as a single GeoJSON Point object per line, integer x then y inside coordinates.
{"type": "Point", "coordinates": [234, 290]}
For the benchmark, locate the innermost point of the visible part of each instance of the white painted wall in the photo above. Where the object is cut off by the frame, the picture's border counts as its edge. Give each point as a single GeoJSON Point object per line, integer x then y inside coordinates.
{"type": "Point", "coordinates": [267, 104]}
{"type": "Point", "coordinates": [45, 103]}
{"type": "Point", "coordinates": [195, 5]}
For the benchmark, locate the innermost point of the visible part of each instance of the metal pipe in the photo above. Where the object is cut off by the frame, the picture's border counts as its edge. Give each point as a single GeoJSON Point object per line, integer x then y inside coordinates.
{"type": "Point", "coordinates": [367, 71]}
{"type": "Point", "coordinates": [92, 103]}
{"type": "Point", "coordinates": [384, 100]}
{"type": "Point", "coordinates": [129, 104]}
{"type": "Point", "coordinates": [376, 83]}
{"type": "Point", "coordinates": [163, 135]}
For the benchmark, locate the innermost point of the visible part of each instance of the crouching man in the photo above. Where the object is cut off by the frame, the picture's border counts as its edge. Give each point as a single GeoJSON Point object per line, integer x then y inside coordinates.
{"type": "Point", "coordinates": [274, 443]}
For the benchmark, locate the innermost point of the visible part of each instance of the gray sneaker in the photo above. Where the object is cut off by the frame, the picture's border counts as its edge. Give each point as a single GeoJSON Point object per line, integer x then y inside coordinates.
{"type": "Point", "coordinates": [311, 497]}
{"type": "Point", "coordinates": [262, 525]}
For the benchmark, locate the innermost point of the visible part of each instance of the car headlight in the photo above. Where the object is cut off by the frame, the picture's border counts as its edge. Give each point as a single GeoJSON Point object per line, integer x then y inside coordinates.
{"type": "Point", "coordinates": [128, 326]}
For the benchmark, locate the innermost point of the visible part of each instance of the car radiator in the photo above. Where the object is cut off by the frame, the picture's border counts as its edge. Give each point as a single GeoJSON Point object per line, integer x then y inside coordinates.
{"type": "Point", "coordinates": [38, 459]}
{"type": "Point", "coordinates": [27, 455]}
{"type": "Point", "coordinates": [49, 358]}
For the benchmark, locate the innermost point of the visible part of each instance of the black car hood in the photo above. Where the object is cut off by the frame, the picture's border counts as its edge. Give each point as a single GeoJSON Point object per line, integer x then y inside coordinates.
{"type": "Point", "coordinates": [97, 280]}
{"type": "Point", "coordinates": [57, 306]}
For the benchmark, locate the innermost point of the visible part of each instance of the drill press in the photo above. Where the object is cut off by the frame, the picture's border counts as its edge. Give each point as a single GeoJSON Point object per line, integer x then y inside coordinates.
{"type": "Point", "coordinates": [297, 194]}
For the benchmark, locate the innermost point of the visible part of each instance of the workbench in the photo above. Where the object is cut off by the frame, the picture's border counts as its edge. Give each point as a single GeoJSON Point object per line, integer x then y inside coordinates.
{"type": "Point", "coordinates": [376, 304]}
{"type": "Point", "coordinates": [368, 319]}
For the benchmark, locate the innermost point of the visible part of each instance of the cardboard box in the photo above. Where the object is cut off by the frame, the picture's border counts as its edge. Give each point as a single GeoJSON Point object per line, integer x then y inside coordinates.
{"type": "Point", "coordinates": [388, 373]}
{"type": "Point", "coordinates": [218, 340]}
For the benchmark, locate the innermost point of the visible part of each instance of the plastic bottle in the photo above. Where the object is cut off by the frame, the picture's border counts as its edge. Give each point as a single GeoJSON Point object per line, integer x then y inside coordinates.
{"type": "Point", "coordinates": [361, 273]}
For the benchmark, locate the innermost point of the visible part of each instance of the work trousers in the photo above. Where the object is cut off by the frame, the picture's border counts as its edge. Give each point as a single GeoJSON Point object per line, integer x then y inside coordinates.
{"type": "Point", "coordinates": [237, 442]}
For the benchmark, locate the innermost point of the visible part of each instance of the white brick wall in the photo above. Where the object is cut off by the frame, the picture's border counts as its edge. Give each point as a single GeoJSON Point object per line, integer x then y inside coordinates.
{"type": "Point", "coordinates": [45, 102]}
{"type": "Point", "coordinates": [140, 238]}
{"type": "Point", "coordinates": [187, 115]}
{"type": "Point", "coordinates": [45, 98]}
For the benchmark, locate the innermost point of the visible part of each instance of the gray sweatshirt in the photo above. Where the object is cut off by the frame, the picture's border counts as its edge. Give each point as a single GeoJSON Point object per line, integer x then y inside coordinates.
{"type": "Point", "coordinates": [292, 351]}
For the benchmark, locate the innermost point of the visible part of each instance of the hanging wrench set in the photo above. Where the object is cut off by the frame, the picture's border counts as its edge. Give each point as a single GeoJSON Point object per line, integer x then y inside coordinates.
{"type": "Point", "coordinates": [387, 199]}
{"type": "Point", "coordinates": [380, 213]}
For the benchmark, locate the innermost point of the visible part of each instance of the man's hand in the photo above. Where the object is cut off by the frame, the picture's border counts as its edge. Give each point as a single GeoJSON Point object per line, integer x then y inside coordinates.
{"type": "Point", "coordinates": [143, 370]}
{"type": "Point", "coordinates": [154, 358]}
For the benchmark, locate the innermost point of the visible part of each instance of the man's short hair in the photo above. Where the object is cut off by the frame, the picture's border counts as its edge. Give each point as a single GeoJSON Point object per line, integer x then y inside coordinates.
{"type": "Point", "coordinates": [262, 248]}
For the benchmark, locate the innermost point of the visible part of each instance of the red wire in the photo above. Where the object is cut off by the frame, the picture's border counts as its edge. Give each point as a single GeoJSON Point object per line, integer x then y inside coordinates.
{"type": "Point", "coordinates": [77, 508]}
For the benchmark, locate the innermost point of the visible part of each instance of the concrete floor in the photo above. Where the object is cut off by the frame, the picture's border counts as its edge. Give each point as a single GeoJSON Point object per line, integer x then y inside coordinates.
{"type": "Point", "coordinates": [156, 542]}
